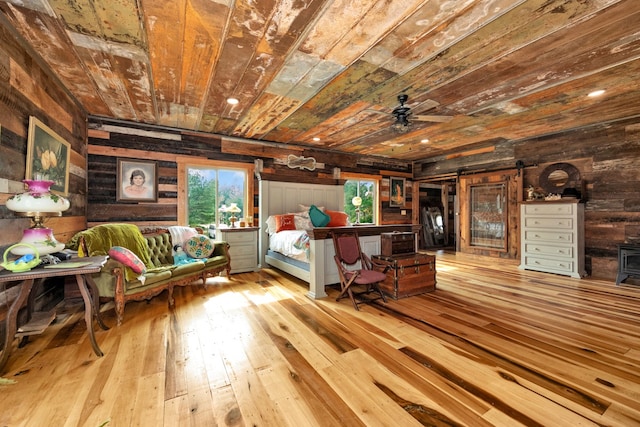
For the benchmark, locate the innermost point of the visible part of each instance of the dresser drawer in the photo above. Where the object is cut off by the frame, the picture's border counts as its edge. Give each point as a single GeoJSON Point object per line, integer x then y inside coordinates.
{"type": "Point", "coordinates": [548, 250]}
{"type": "Point", "coordinates": [548, 236]}
{"type": "Point", "coordinates": [555, 223]}
{"type": "Point", "coordinates": [549, 209]}
{"type": "Point", "coordinates": [246, 250]}
{"type": "Point", "coordinates": [240, 237]}
{"type": "Point", "coordinates": [549, 265]}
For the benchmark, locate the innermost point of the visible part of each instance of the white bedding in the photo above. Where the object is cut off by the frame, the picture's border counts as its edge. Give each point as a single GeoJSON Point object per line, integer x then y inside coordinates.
{"type": "Point", "coordinates": [292, 243]}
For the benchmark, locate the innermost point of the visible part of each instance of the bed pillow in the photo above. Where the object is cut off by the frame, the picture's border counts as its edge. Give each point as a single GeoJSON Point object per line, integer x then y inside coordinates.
{"type": "Point", "coordinates": [337, 218]}
{"type": "Point", "coordinates": [302, 220]}
{"type": "Point", "coordinates": [271, 224]}
{"type": "Point", "coordinates": [285, 222]}
{"type": "Point", "coordinates": [128, 258]}
{"type": "Point", "coordinates": [306, 208]}
{"type": "Point", "coordinates": [318, 218]}
{"type": "Point", "coordinates": [199, 246]}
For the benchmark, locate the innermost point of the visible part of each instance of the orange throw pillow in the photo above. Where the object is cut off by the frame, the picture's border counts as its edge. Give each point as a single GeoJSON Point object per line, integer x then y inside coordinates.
{"type": "Point", "coordinates": [285, 222]}
{"type": "Point", "coordinates": [337, 218]}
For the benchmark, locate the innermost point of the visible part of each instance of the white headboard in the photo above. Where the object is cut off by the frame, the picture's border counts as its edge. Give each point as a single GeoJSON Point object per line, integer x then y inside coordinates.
{"type": "Point", "coordinates": [284, 197]}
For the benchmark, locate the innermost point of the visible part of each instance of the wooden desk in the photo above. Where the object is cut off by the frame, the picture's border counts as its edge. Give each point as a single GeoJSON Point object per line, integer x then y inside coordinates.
{"type": "Point", "coordinates": [81, 268]}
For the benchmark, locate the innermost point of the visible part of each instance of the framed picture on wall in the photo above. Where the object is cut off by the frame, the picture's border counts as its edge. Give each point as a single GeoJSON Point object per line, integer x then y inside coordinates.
{"type": "Point", "coordinates": [396, 192]}
{"type": "Point", "coordinates": [137, 181]}
{"type": "Point", "coordinates": [47, 156]}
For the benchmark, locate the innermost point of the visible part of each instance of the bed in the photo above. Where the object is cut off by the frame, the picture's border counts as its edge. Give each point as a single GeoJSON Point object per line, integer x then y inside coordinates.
{"type": "Point", "coordinates": [319, 269]}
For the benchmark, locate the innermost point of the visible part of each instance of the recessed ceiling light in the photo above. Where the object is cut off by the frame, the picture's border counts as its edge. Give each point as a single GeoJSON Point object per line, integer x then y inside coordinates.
{"type": "Point", "coordinates": [596, 93]}
{"type": "Point", "coordinates": [315, 138]}
{"type": "Point", "coordinates": [424, 141]}
{"type": "Point", "coordinates": [232, 101]}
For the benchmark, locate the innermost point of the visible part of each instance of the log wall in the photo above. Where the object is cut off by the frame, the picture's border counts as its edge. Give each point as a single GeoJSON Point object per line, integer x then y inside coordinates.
{"type": "Point", "coordinates": [608, 158]}
{"type": "Point", "coordinates": [109, 140]}
{"type": "Point", "coordinates": [28, 89]}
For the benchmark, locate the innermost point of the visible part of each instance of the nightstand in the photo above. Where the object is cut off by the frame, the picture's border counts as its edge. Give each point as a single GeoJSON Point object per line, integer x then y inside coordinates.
{"type": "Point", "coordinates": [243, 247]}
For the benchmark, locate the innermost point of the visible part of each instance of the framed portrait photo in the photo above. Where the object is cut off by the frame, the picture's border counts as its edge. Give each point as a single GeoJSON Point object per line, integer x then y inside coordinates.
{"type": "Point", "coordinates": [396, 192]}
{"type": "Point", "coordinates": [47, 156]}
{"type": "Point", "coordinates": [137, 181]}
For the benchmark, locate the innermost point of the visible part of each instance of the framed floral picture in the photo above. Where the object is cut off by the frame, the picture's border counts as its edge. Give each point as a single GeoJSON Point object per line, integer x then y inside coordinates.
{"type": "Point", "coordinates": [137, 181]}
{"type": "Point", "coordinates": [47, 156]}
{"type": "Point", "coordinates": [396, 192]}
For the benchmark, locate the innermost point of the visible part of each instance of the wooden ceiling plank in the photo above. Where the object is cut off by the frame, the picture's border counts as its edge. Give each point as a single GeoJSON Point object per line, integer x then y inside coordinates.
{"type": "Point", "coordinates": [44, 33]}
{"type": "Point", "coordinates": [165, 24]}
{"type": "Point", "coordinates": [246, 26]}
{"type": "Point", "coordinates": [557, 58]}
{"type": "Point", "coordinates": [115, 21]}
{"type": "Point", "coordinates": [517, 28]}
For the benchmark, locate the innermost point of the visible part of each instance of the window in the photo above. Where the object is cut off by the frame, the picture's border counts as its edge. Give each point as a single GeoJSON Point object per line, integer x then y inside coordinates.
{"type": "Point", "coordinates": [366, 190]}
{"type": "Point", "coordinates": [207, 188]}
{"type": "Point", "coordinates": [488, 215]}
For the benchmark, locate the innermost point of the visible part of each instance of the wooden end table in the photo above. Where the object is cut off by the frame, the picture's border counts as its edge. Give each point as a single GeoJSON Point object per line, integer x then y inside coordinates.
{"type": "Point", "coordinates": [81, 268]}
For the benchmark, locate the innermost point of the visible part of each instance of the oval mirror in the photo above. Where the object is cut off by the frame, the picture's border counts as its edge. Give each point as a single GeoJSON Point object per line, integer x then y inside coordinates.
{"type": "Point", "coordinates": [558, 176]}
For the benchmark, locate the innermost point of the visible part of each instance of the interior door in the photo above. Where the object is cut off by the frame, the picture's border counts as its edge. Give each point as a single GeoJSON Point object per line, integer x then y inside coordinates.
{"type": "Point", "coordinates": [489, 213]}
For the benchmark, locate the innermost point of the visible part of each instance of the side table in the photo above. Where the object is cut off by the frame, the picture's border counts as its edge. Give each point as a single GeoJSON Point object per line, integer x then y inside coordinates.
{"type": "Point", "coordinates": [81, 268]}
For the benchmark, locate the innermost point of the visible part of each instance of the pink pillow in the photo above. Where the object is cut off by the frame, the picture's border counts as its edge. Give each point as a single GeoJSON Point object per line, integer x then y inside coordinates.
{"type": "Point", "coordinates": [285, 222]}
{"type": "Point", "coordinates": [128, 258]}
{"type": "Point", "coordinates": [337, 219]}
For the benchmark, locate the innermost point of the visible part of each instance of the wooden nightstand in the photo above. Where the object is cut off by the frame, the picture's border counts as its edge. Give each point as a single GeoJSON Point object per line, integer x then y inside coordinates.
{"type": "Point", "coordinates": [243, 247]}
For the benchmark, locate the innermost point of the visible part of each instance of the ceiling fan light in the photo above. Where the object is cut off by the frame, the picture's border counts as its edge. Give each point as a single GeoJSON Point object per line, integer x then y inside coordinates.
{"type": "Point", "coordinates": [401, 126]}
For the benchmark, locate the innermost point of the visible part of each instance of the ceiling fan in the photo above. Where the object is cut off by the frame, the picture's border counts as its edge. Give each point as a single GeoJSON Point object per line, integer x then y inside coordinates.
{"type": "Point", "coordinates": [404, 116]}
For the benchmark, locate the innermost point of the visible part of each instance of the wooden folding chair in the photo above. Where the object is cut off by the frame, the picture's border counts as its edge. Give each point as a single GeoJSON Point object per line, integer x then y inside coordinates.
{"type": "Point", "coordinates": [358, 277]}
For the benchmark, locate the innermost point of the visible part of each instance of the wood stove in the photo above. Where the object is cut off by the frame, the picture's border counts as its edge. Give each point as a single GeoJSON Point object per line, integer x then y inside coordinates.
{"type": "Point", "coordinates": [628, 261]}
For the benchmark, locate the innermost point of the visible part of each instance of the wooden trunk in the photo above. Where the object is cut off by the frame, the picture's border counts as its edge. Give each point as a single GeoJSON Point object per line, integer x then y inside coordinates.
{"type": "Point", "coordinates": [407, 275]}
{"type": "Point", "coordinates": [397, 243]}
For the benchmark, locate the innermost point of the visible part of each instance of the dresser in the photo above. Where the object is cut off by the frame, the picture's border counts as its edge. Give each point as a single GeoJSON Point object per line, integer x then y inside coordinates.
{"type": "Point", "coordinates": [243, 247]}
{"type": "Point", "coordinates": [552, 237]}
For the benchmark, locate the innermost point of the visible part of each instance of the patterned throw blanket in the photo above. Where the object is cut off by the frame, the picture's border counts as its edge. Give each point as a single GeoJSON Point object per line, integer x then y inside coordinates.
{"type": "Point", "coordinates": [302, 243]}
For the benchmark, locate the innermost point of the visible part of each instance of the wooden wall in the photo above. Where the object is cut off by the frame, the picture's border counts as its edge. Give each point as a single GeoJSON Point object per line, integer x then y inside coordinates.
{"type": "Point", "coordinates": [110, 140]}
{"type": "Point", "coordinates": [608, 158]}
{"type": "Point", "coordinates": [27, 89]}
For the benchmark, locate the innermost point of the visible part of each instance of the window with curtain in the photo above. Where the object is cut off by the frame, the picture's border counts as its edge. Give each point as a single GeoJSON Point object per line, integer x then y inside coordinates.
{"type": "Point", "coordinates": [211, 190]}
{"type": "Point", "coordinates": [366, 191]}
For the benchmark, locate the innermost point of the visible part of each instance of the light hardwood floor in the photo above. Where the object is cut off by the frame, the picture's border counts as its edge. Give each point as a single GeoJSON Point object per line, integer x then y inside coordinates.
{"type": "Point", "coordinates": [493, 345]}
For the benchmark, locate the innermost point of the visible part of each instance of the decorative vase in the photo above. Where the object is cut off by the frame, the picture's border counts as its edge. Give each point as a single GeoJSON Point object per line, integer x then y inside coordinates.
{"type": "Point", "coordinates": [37, 203]}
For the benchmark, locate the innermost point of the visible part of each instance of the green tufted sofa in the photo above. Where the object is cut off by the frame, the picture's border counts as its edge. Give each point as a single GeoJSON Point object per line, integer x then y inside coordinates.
{"type": "Point", "coordinates": [120, 283]}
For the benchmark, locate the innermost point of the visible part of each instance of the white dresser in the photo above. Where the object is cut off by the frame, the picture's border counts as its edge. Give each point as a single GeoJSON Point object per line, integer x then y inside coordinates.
{"type": "Point", "coordinates": [243, 247]}
{"type": "Point", "coordinates": [552, 237]}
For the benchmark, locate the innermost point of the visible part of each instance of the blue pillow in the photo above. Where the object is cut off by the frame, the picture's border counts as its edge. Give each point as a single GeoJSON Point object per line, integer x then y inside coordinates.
{"type": "Point", "coordinates": [318, 218]}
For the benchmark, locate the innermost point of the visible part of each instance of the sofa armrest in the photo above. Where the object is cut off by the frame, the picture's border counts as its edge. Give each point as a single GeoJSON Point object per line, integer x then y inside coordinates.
{"type": "Point", "coordinates": [220, 248]}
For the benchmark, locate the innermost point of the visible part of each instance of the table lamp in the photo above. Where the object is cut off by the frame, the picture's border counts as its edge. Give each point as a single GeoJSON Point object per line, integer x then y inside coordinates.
{"type": "Point", "coordinates": [234, 209]}
{"type": "Point", "coordinates": [38, 203]}
{"type": "Point", "coordinates": [357, 202]}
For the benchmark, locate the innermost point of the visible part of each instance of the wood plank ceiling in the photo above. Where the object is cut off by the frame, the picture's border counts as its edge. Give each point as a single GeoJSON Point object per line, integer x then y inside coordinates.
{"type": "Point", "coordinates": [332, 69]}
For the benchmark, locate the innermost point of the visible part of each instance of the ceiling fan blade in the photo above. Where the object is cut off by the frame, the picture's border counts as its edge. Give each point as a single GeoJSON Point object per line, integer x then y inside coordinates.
{"type": "Point", "coordinates": [426, 105]}
{"type": "Point", "coordinates": [427, 118]}
{"type": "Point", "coordinates": [371, 110]}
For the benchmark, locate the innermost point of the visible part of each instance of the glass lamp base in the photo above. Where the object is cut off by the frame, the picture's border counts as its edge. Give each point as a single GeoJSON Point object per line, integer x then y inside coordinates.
{"type": "Point", "coordinates": [42, 239]}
